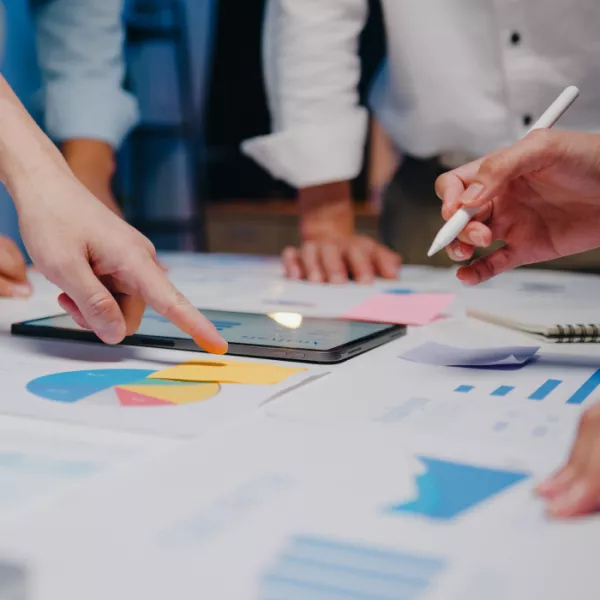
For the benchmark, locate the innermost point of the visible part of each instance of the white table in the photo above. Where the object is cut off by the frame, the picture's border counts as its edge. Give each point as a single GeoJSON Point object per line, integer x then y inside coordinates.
{"type": "Point", "coordinates": [312, 494]}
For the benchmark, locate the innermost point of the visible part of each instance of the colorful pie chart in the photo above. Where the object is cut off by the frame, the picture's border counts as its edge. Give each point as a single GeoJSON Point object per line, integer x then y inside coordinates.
{"type": "Point", "coordinates": [119, 387]}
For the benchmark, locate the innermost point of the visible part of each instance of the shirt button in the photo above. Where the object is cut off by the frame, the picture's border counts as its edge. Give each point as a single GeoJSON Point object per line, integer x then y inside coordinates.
{"type": "Point", "coordinates": [527, 120]}
{"type": "Point", "coordinates": [515, 38]}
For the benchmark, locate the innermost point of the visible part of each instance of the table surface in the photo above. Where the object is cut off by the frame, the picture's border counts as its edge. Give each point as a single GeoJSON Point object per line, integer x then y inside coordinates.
{"type": "Point", "coordinates": [372, 479]}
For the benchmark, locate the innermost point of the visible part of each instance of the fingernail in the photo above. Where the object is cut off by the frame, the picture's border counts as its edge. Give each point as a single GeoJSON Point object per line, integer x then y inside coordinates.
{"type": "Point", "coordinates": [456, 253]}
{"type": "Point", "coordinates": [365, 279]}
{"type": "Point", "coordinates": [477, 239]}
{"type": "Point", "coordinates": [472, 194]}
{"type": "Point", "coordinates": [314, 278]}
{"type": "Point", "coordinates": [569, 499]}
{"type": "Point", "coordinates": [21, 290]}
{"type": "Point", "coordinates": [338, 278]}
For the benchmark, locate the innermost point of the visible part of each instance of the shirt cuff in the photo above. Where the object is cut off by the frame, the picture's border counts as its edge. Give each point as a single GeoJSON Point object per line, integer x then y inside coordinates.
{"type": "Point", "coordinates": [313, 154]}
{"type": "Point", "coordinates": [89, 111]}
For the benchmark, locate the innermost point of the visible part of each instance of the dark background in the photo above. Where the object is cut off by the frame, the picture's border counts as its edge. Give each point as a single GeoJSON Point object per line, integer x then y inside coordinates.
{"type": "Point", "coordinates": [237, 106]}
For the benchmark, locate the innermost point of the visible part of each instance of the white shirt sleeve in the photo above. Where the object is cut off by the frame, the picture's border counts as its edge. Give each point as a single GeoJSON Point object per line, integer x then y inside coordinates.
{"type": "Point", "coordinates": [312, 71]}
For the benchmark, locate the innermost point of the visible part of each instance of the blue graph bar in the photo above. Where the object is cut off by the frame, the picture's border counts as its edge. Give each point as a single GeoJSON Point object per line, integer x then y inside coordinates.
{"type": "Point", "coordinates": [503, 390]}
{"type": "Point", "coordinates": [464, 388]}
{"type": "Point", "coordinates": [588, 388]}
{"type": "Point", "coordinates": [545, 389]}
{"type": "Point", "coordinates": [322, 569]}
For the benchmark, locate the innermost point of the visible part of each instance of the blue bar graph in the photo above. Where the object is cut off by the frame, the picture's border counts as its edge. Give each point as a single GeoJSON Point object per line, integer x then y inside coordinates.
{"type": "Point", "coordinates": [588, 388]}
{"type": "Point", "coordinates": [545, 389]}
{"type": "Point", "coordinates": [324, 569]}
{"type": "Point", "coordinates": [503, 390]}
{"type": "Point", "coordinates": [464, 388]}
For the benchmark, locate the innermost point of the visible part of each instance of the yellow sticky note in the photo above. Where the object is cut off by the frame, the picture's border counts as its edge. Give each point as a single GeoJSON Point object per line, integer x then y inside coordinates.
{"type": "Point", "coordinates": [225, 371]}
{"type": "Point", "coordinates": [177, 394]}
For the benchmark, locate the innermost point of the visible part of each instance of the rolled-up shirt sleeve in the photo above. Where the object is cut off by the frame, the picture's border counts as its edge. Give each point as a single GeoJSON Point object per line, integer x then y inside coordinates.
{"type": "Point", "coordinates": [80, 51]}
{"type": "Point", "coordinates": [312, 71]}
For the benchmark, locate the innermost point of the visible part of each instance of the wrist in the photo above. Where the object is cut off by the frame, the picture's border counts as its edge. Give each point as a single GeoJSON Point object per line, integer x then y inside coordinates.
{"type": "Point", "coordinates": [326, 211]}
{"type": "Point", "coordinates": [93, 158]}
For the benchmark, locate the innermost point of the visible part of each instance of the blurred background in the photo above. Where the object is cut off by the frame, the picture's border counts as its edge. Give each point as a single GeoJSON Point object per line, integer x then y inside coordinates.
{"type": "Point", "coordinates": [195, 68]}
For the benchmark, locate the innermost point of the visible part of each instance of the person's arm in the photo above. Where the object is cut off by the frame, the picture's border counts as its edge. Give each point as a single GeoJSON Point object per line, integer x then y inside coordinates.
{"type": "Point", "coordinates": [80, 51]}
{"type": "Point", "coordinates": [312, 71]}
{"type": "Point", "coordinates": [106, 269]}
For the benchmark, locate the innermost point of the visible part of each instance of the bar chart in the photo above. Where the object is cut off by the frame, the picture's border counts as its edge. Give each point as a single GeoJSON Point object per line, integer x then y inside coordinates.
{"type": "Point", "coordinates": [542, 391]}
{"type": "Point", "coordinates": [326, 569]}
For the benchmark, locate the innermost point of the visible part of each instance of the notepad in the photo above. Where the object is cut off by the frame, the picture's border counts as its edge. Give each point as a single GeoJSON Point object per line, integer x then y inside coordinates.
{"type": "Point", "coordinates": [227, 371]}
{"type": "Point", "coordinates": [563, 327]}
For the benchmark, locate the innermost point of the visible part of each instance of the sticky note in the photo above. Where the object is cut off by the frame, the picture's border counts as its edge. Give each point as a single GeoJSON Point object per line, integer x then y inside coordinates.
{"type": "Point", "coordinates": [225, 371]}
{"type": "Point", "coordinates": [433, 353]}
{"type": "Point", "coordinates": [408, 309]}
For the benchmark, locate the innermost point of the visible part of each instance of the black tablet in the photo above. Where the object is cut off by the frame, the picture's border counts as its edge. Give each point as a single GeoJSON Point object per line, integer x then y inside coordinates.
{"type": "Point", "coordinates": [280, 335]}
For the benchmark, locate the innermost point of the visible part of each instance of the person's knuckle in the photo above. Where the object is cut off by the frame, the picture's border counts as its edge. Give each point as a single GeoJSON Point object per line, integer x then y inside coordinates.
{"type": "Point", "coordinates": [541, 139]}
{"type": "Point", "coordinates": [492, 166]}
{"type": "Point", "coordinates": [441, 184]}
{"type": "Point", "coordinates": [289, 253]}
{"type": "Point", "coordinates": [177, 302]}
{"type": "Point", "coordinates": [590, 418]}
{"type": "Point", "coordinates": [100, 305]}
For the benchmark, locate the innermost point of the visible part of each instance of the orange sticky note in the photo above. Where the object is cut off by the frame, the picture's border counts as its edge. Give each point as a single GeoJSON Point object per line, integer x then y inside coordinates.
{"type": "Point", "coordinates": [406, 309]}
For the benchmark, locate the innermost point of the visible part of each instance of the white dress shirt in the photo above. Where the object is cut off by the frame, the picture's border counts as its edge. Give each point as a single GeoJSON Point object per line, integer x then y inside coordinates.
{"type": "Point", "coordinates": [80, 54]}
{"type": "Point", "coordinates": [461, 76]}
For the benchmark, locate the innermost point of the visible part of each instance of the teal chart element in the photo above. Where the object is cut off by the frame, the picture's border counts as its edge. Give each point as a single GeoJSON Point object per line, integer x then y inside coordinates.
{"type": "Point", "coordinates": [74, 386]}
{"type": "Point", "coordinates": [326, 569]}
{"type": "Point", "coordinates": [448, 489]}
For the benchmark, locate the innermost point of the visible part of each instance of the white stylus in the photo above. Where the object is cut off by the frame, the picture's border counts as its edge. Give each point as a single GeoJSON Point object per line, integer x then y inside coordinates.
{"type": "Point", "coordinates": [458, 222]}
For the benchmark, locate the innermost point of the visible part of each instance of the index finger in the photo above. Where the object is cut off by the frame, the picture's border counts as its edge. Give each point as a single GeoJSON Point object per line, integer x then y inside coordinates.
{"type": "Point", "coordinates": [450, 186]}
{"type": "Point", "coordinates": [159, 293]}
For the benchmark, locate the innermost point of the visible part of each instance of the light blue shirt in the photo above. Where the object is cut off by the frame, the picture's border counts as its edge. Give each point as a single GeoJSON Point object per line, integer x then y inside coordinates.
{"type": "Point", "coordinates": [80, 53]}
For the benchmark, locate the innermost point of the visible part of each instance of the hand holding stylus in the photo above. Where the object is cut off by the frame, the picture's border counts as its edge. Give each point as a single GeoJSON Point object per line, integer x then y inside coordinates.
{"type": "Point", "coordinates": [461, 217]}
{"type": "Point", "coordinates": [541, 197]}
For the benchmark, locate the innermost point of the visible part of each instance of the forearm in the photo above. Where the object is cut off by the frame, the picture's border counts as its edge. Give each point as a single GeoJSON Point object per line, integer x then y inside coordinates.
{"type": "Point", "coordinates": [326, 210]}
{"type": "Point", "coordinates": [93, 163]}
{"type": "Point", "coordinates": [25, 152]}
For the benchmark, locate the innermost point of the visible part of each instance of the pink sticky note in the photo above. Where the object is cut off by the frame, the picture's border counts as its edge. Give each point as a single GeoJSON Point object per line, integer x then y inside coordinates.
{"type": "Point", "coordinates": [408, 309]}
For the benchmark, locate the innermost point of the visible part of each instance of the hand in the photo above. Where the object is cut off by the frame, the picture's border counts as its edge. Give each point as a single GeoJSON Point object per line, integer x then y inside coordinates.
{"type": "Point", "coordinates": [93, 163]}
{"type": "Point", "coordinates": [107, 269]}
{"type": "Point", "coordinates": [575, 489]}
{"type": "Point", "coordinates": [331, 250]}
{"type": "Point", "coordinates": [540, 196]}
{"type": "Point", "coordinates": [337, 258]}
{"type": "Point", "coordinates": [13, 271]}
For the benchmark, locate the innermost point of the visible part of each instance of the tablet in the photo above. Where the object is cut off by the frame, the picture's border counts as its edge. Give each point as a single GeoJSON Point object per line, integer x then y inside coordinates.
{"type": "Point", "coordinates": [280, 335]}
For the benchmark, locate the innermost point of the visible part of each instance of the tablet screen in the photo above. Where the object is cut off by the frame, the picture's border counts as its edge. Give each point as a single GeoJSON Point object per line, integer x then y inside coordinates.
{"type": "Point", "coordinates": [283, 330]}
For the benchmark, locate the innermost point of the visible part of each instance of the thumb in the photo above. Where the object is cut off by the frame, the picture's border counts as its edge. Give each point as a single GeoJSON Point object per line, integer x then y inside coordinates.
{"type": "Point", "coordinates": [483, 269]}
{"type": "Point", "coordinates": [537, 150]}
{"type": "Point", "coordinates": [97, 305]}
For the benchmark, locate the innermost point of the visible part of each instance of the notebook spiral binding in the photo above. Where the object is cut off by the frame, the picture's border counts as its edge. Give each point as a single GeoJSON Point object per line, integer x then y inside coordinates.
{"type": "Point", "coordinates": [572, 334]}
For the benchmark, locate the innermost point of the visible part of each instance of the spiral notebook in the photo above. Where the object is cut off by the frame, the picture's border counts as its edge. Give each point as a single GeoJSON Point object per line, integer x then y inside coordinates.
{"type": "Point", "coordinates": [564, 327]}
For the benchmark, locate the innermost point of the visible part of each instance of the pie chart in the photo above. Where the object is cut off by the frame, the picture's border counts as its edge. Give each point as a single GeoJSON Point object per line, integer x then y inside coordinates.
{"type": "Point", "coordinates": [119, 387]}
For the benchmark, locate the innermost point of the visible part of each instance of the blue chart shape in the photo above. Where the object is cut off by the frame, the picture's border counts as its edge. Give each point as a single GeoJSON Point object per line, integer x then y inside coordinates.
{"type": "Point", "coordinates": [222, 325]}
{"type": "Point", "coordinates": [464, 388]}
{"type": "Point", "coordinates": [586, 390]}
{"type": "Point", "coordinates": [545, 389]}
{"type": "Point", "coordinates": [398, 291]}
{"type": "Point", "coordinates": [324, 569]}
{"type": "Point", "coordinates": [76, 385]}
{"type": "Point", "coordinates": [448, 489]}
{"type": "Point", "coordinates": [503, 390]}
